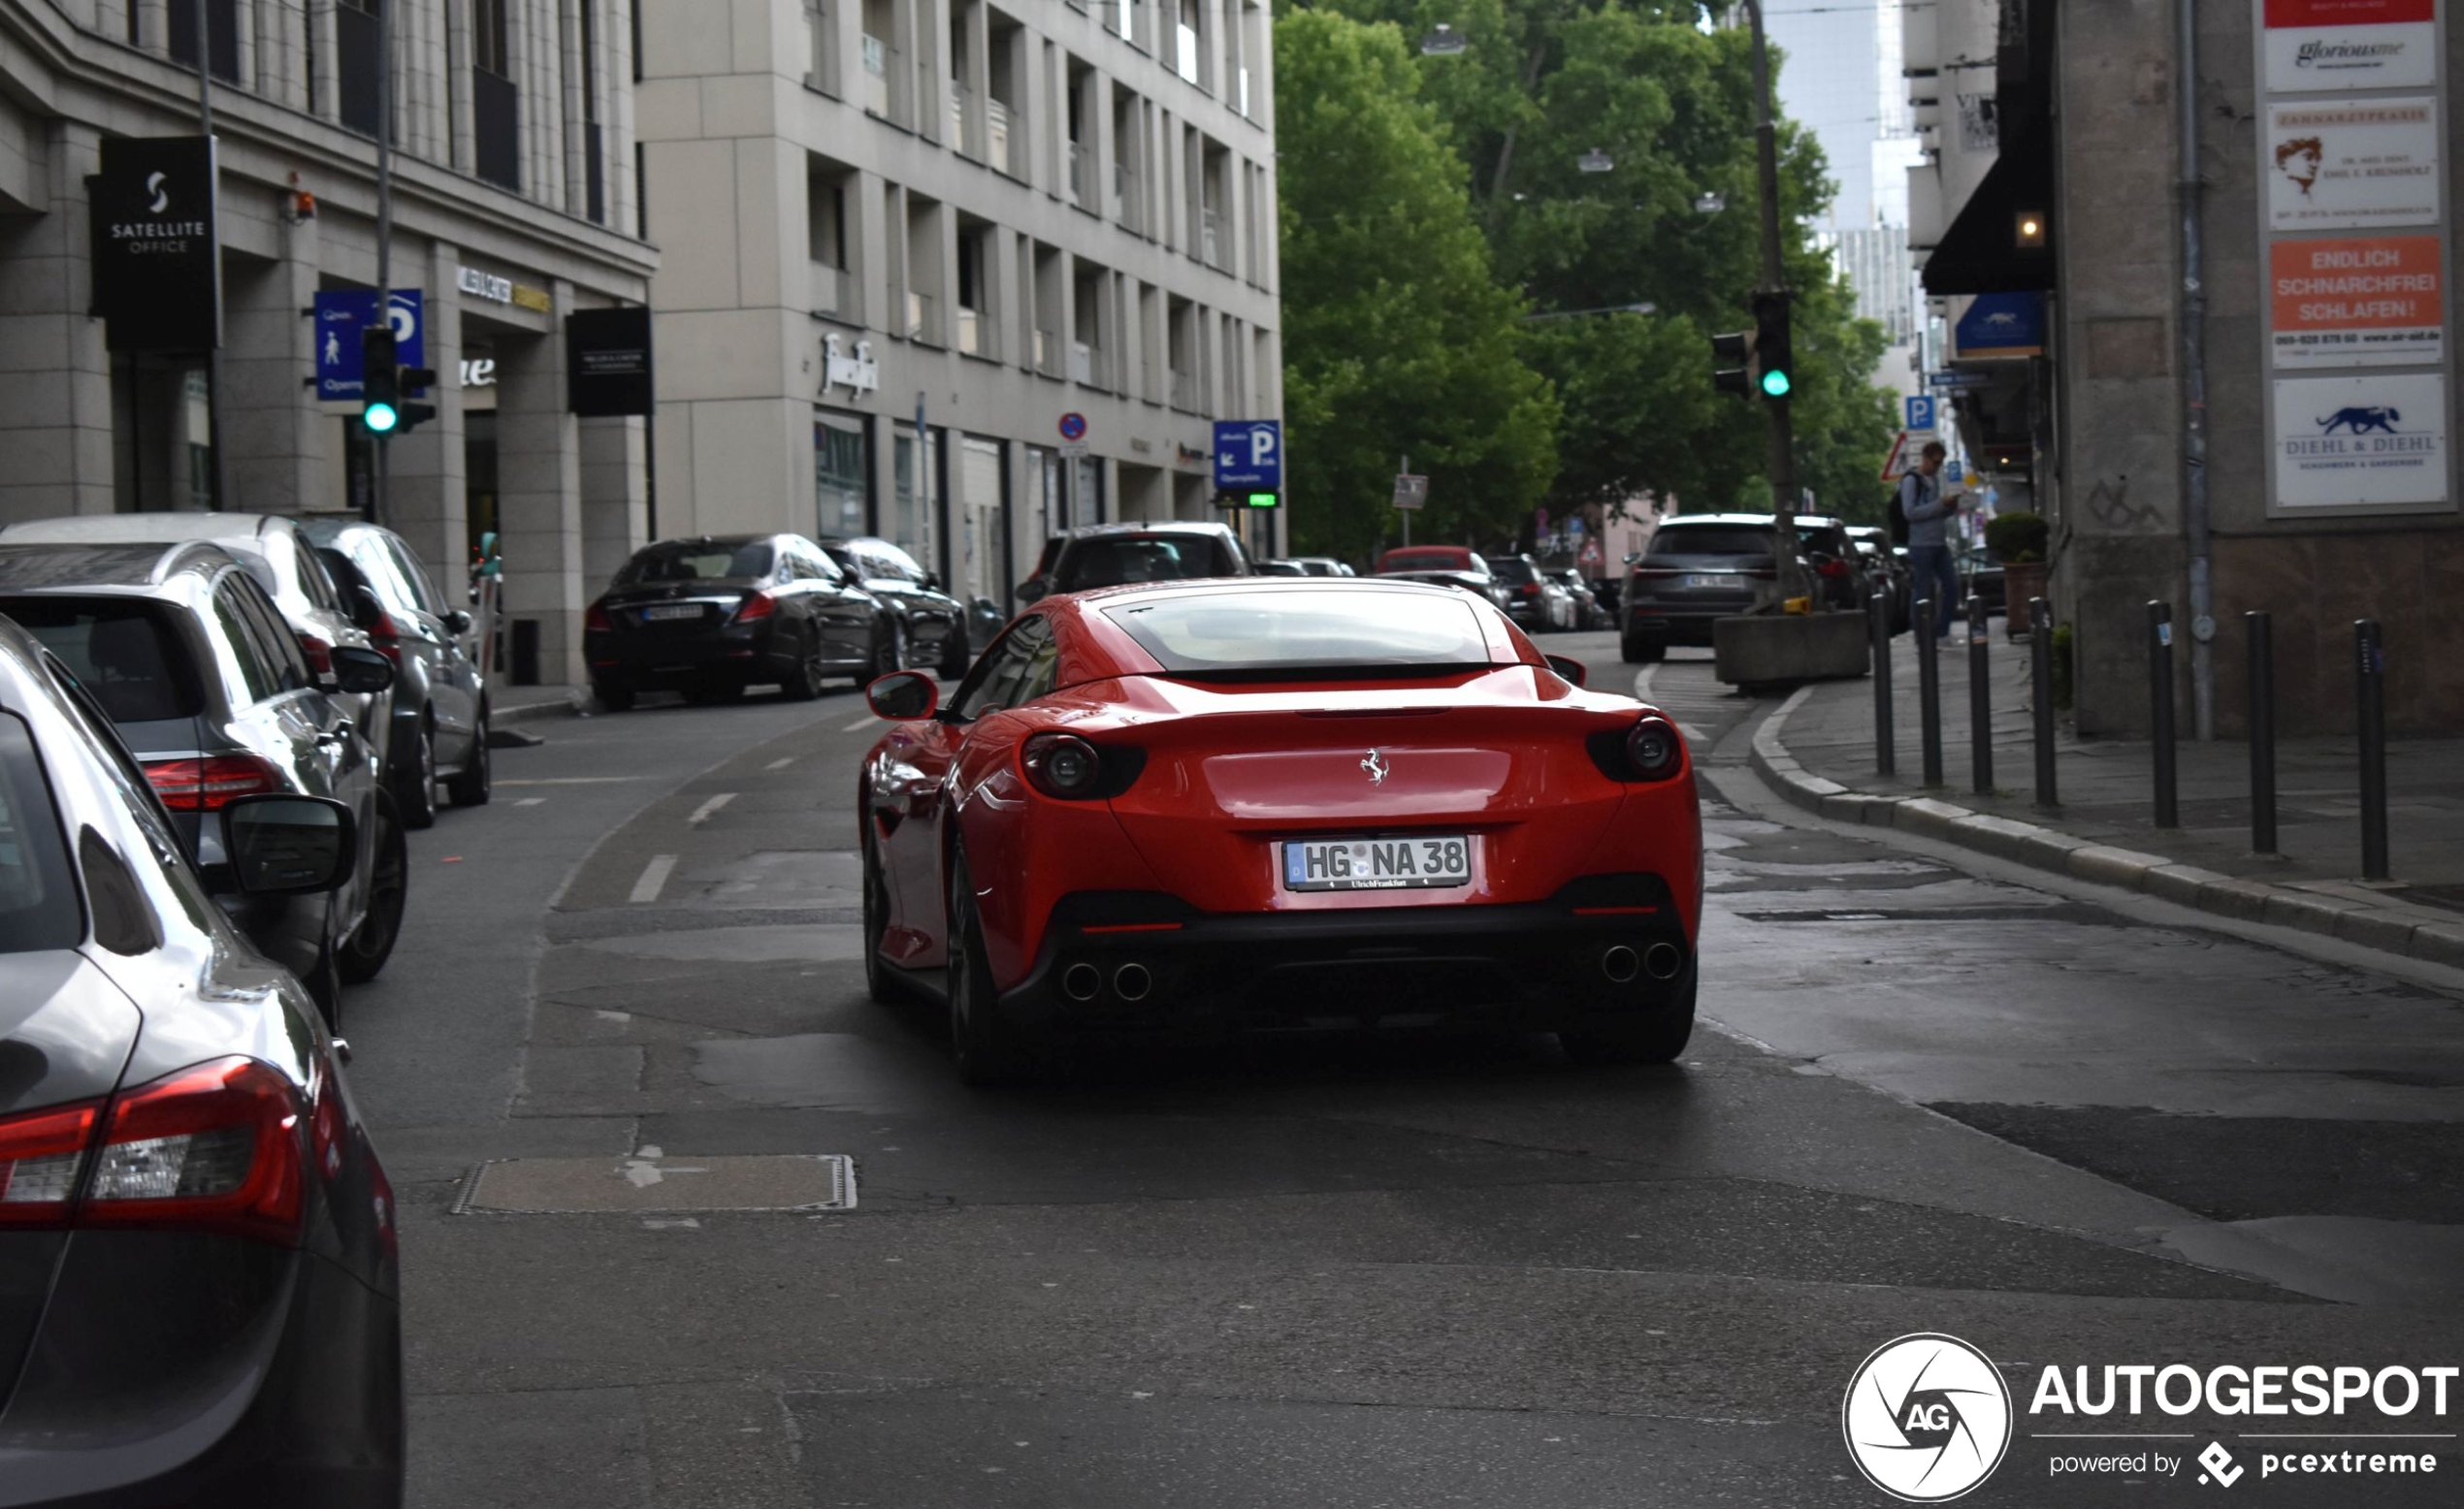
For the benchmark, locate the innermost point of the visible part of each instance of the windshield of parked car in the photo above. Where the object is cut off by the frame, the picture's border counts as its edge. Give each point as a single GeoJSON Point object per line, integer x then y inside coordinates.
{"type": "Point", "coordinates": [1298, 633]}
{"type": "Point", "coordinates": [697, 560]}
{"type": "Point", "coordinates": [1136, 558]}
{"type": "Point", "coordinates": [122, 648]}
{"type": "Point", "coordinates": [38, 906]}
{"type": "Point", "coordinates": [1515, 571]}
{"type": "Point", "coordinates": [1713, 539]}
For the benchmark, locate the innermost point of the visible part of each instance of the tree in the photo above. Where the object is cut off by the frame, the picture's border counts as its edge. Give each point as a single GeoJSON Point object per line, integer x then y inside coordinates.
{"type": "Point", "coordinates": [1398, 334]}
{"type": "Point", "coordinates": [1542, 82]}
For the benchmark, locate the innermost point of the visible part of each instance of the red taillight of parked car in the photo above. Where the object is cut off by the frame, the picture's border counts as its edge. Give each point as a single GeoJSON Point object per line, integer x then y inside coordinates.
{"type": "Point", "coordinates": [595, 619]}
{"type": "Point", "coordinates": [321, 655]}
{"type": "Point", "coordinates": [1832, 567]}
{"type": "Point", "coordinates": [1531, 588]}
{"type": "Point", "coordinates": [755, 607]}
{"type": "Point", "coordinates": [211, 784]}
{"type": "Point", "coordinates": [213, 1147]}
{"type": "Point", "coordinates": [41, 1155]}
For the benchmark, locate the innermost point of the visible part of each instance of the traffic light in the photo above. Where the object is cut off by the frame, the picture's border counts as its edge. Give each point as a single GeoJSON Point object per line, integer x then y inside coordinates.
{"type": "Point", "coordinates": [1249, 500]}
{"type": "Point", "coordinates": [1732, 363]}
{"type": "Point", "coordinates": [414, 380]}
{"type": "Point", "coordinates": [380, 381]}
{"type": "Point", "coordinates": [1774, 361]}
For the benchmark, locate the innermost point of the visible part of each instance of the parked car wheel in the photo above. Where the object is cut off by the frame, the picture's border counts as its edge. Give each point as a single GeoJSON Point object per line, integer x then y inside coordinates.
{"type": "Point", "coordinates": [613, 696]}
{"type": "Point", "coordinates": [415, 794]}
{"type": "Point", "coordinates": [471, 786]}
{"type": "Point", "coordinates": [364, 953]}
{"type": "Point", "coordinates": [805, 683]}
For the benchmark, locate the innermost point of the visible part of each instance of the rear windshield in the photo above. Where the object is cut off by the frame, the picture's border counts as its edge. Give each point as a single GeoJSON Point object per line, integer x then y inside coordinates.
{"type": "Point", "coordinates": [124, 652]}
{"type": "Point", "coordinates": [38, 908]}
{"type": "Point", "coordinates": [693, 561]}
{"type": "Point", "coordinates": [1112, 562]}
{"type": "Point", "coordinates": [1515, 571]}
{"type": "Point", "coordinates": [1713, 539]}
{"type": "Point", "coordinates": [1452, 559]}
{"type": "Point", "coordinates": [1298, 631]}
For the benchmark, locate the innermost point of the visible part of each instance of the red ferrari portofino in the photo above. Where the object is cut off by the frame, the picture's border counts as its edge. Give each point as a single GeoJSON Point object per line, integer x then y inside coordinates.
{"type": "Point", "coordinates": [1278, 805]}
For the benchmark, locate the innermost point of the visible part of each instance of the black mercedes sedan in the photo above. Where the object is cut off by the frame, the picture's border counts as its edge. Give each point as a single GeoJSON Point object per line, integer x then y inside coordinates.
{"type": "Point", "coordinates": [712, 616]}
{"type": "Point", "coordinates": [200, 1296]}
{"type": "Point", "coordinates": [932, 627]}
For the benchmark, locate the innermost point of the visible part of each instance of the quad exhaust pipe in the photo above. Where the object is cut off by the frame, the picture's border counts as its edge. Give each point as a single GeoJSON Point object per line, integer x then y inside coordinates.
{"type": "Point", "coordinates": [1131, 983]}
{"type": "Point", "coordinates": [1620, 964]}
{"type": "Point", "coordinates": [1663, 961]}
{"type": "Point", "coordinates": [1081, 982]}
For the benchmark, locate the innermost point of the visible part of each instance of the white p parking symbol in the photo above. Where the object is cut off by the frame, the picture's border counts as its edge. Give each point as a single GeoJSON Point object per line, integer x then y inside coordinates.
{"type": "Point", "coordinates": [1261, 447]}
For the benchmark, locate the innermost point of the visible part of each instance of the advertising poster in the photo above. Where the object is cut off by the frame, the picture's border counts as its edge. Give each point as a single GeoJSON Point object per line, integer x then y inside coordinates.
{"type": "Point", "coordinates": [2361, 442]}
{"type": "Point", "coordinates": [2314, 45]}
{"type": "Point", "coordinates": [2335, 165]}
{"type": "Point", "coordinates": [2357, 301]}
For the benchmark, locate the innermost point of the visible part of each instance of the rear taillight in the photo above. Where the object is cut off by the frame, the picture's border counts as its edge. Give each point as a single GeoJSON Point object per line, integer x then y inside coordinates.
{"type": "Point", "coordinates": [1833, 568]}
{"type": "Point", "coordinates": [40, 1156]}
{"type": "Point", "coordinates": [321, 655]}
{"type": "Point", "coordinates": [1531, 588]}
{"type": "Point", "coordinates": [214, 1147]}
{"type": "Point", "coordinates": [385, 637]}
{"type": "Point", "coordinates": [755, 608]}
{"type": "Point", "coordinates": [1654, 749]}
{"type": "Point", "coordinates": [1062, 765]}
{"type": "Point", "coordinates": [211, 784]}
{"type": "Point", "coordinates": [595, 619]}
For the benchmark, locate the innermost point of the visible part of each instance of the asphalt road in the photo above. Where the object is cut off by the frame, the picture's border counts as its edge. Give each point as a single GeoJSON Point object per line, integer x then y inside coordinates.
{"type": "Point", "coordinates": [1929, 1095]}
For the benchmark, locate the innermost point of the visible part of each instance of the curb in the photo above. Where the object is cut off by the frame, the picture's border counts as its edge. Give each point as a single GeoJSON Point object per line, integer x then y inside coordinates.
{"type": "Point", "coordinates": [532, 711]}
{"type": "Point", "coordinates": [2383, 930]}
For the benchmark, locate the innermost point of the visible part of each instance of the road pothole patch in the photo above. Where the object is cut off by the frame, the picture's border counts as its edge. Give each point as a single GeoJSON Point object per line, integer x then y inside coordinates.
{"type": "Point", "coordinates": [651, 1182]}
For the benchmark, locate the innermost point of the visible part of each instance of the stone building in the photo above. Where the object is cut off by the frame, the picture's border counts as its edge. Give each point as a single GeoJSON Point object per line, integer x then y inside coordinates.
{"type": "Point", "coordinates": [514, 205]}
{"type": "Point", "coordinates": [957, 272]}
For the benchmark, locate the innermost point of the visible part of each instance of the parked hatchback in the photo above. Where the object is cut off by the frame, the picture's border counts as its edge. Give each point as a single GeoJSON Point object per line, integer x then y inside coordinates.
{"type": "Point", "coordinates": [440, 703]}
{"type": "Point", "coordinates": [186, 655]}
{"type": "Point", "coordinates": [200, 1293]}
{"type": "Point", "coordinates": [711, 615]}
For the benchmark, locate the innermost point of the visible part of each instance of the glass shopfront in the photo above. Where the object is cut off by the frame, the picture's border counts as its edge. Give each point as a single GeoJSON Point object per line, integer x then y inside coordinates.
{"type": "Point", "coordinates": [842, 474]}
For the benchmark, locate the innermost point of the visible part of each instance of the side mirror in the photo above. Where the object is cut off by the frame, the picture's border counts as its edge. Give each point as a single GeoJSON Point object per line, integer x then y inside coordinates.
{"type": "Point", "coordinates": [1573, 670]}
{"type": "Point", "coordinates": [287, 846]}
{"type": "Point", "coordinates": [361, 670]}
{"type": "Point", "coordinates": [457, 621]}
{"type": "Point", "coordinates": [1632, 556]}
{"type": "Point", "coordinates": [1032, 589]}
{"type": "Point", "coordinates": [905, 696]}
{"type": "Point", "coordinates": [932, 580]}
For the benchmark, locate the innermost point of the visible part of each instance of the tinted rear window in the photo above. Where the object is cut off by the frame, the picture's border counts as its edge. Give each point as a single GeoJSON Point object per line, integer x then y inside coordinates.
{"type": "Point", "coordinates": [125, 652]}
{"type": "Point", "coordinates": [1454, 559]}
{"type": "Point", "coordinates": [1112, 562]}
{"type": "Point", "coordinates": [38, 904]}
{"type": "Point", "coordinates": [1299, 631]}
{"type": "Point", "coordinates": [1713, 539]}
{"type": "Point", "coordinates": [1514, 572]}
{"type": "Point", "coordinates": [693, 561]}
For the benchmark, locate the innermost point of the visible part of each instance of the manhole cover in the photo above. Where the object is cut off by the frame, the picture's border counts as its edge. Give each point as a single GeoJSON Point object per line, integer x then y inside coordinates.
{"type": "Point", "coordinates": [650, 1181]}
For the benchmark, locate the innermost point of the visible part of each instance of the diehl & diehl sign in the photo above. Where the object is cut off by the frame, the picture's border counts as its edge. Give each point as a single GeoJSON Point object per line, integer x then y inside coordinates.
{"type": "Point", "coordinates": [157, 260]}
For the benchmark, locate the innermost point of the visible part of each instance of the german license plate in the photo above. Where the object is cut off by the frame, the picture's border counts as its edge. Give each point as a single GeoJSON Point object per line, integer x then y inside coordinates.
{"type": "Point", "coordinates": [1710, 581]}
{"type": "Point", "coordinates": [1378, 863]}
{"type": "Point", "coordinates": [671, 610]}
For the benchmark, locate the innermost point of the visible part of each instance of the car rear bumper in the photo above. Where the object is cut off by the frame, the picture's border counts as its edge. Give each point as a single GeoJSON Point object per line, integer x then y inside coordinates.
{"type": "Point", "coordinates": [743, 653]}
{"type": "Point", "coordinates": [1606, 946]}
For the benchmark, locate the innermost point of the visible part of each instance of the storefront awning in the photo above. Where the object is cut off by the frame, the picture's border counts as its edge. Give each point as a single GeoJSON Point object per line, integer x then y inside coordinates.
{"type": "Point", "coordinates": [1981, 253]}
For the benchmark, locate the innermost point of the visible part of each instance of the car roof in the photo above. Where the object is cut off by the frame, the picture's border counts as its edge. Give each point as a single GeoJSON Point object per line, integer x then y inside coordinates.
{"type": "Point", "coordinates": [1153, 527]}
{"type": "Point", "coordinates": [1128, 590]}
{"type": "Point", "coordinates": [66, 566]}
{"type": "Point", "coordinates": [709, 540]}
{"type": "Point", "coordinates": [144, 527]}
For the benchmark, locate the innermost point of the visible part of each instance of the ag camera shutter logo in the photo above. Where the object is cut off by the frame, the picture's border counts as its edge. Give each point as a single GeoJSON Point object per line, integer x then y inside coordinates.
{"type": "Point", "coordinates": [1927, 1418]}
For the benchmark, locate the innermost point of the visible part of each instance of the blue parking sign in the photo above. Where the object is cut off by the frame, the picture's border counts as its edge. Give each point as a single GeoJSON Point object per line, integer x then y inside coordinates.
{"type": "Point", "coordinates": [1921, 411]}
{"type": "Point", "coordinates": [1248, 455]}
{"type": "Point", "coordinates": [340, 315]}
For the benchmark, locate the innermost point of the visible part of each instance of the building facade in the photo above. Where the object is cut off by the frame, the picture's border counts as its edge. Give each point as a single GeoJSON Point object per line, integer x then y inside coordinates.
{"type": "Point", "coordinates": [955, 273]}
{"type": "Point", "coordinates": [514, 204]}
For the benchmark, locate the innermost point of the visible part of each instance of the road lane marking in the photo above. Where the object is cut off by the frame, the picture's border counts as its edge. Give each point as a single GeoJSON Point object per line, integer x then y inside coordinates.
{"type": "Point", "coordinates": [780, 765]}
{"type": "Point", "coordinates": [860, 724]}
{"type": "Point", "coordinates": [653, 878]}
{"type": "Point", "coordinates": [571, 781]}
{"type": "Point", "coordinates": [530, 801]}
{"type": "Point", "coordinates": [702, 813]}
{"type": "Point", "coordinates": [1693, 734]}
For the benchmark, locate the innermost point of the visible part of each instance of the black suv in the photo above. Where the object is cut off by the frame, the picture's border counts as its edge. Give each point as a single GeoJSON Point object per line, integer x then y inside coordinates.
{"type": "Point", "coordinates": [1111, 555]}
{"type": "Point", "coordinates": [1703, 567]}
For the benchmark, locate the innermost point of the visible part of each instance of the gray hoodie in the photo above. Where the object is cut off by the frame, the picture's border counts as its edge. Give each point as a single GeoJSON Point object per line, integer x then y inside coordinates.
{"type": "Point", "coordinates": [1921, 500]}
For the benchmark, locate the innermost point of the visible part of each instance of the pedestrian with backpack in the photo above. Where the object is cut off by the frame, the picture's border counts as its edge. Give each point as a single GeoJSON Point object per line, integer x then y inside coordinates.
{"type": "Point", "coordinates": [1928, 512]}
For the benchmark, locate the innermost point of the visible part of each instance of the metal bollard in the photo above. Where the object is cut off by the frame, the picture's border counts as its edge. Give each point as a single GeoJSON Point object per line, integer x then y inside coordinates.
{"type": "Point", "coordinates": [1979, 697]}
{"type": "Point", "coordinates": [2040, 673]}
{"type": "Point", "coordinates": [2168, 814]}
{"type": "Point", "coordinates": [2372, 710]}
{"type": "Point", "coordinates": [1886, 745]}
{"type": "Point", "coordinates": [2262, 698]}
{"type": "Point", "coordinates": [1929, 691]}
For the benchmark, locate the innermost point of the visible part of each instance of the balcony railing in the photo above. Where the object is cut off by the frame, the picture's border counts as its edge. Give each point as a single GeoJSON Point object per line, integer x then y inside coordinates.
{"type": "Point", "coordinates": [1082, 175]}
{"type": "Point", "coordinates": [1127, 206]}
{"type": "Point", "coordinates": [1211, 240]}
{"type": "Point", "coordinates": [998, 143]}
{"type": "Point", "coordinates": [924, 318]}
{"type": "Point", "coordinates": [970, 332]}
{"type": "Point", "coordinates": [1047, 353]}
{"type": "Point", "coordinates": [959, 94]}
{"type": "Point", "coordinates": [877, 76]}
{"type": "Point", "coordinates": [829, 289]}
{"type": "Point", "coordinates": [1085, 364]}
{"type": "Point", "coordinates": [1185, 391]}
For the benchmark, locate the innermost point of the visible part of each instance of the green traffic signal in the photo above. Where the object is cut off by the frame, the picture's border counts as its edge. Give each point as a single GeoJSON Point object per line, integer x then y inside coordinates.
{"type": "Point", "coordinates": [1776, 384]}
{"type": "Point", "coordinates": [380, 418]}
{"type": "Point", "coordinates": [1264, 501]}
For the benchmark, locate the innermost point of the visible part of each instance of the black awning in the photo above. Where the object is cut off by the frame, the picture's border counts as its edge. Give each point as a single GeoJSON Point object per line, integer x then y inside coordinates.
{"type": "Point", "coordinates": [1980, 253]}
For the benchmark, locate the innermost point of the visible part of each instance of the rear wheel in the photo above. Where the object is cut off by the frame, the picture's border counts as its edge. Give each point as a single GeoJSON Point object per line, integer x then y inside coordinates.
{"type": "Point", "coordinates": [805, 683]}
{"type": "Point", "coordinates": [474, 783]}
{"type": "Point", "coordinates": [614, 695]}
{"type": "Point", "coordinates": [1653, 1037]}
{"type": "Point", "coordinates": [371, 943]}
{"type": "Point", "coordinates": [415, 794]}
{"type": "Point", "coordinates": [986, 1049]}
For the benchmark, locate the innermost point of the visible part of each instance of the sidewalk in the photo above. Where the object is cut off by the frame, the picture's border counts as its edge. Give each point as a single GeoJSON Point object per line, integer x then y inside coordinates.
{"type": "Point", "coordinates": [1818, 751]}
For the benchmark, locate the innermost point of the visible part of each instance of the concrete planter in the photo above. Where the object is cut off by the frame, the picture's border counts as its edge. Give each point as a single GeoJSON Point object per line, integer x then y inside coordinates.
{"type": "Point", "coordinates": [1763, 651]}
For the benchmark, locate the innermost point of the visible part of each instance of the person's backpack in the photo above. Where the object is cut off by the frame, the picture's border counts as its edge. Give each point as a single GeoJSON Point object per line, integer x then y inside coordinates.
{"type": "Point", "coordinates": [1899, 519]}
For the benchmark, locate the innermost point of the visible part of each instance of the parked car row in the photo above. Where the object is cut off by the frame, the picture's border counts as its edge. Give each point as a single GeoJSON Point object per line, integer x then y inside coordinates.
{"type": "Point", "coordinates": [1537, 601]}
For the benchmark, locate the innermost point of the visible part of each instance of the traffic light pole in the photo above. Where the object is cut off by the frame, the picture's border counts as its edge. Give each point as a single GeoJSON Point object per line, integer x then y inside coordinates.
{"type": "Point", "coordinates": [220, 497]}
{"type": "Point", "coordinates": [377, 511]}
{"type": "Point", "coordinates": [1783, 441]}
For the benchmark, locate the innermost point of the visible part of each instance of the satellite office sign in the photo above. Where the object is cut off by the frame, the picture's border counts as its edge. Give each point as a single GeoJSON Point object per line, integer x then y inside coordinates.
{"type": "Point", "coordinates": [2351, 45]}
{"type": "Point", "coordinates": [2361, 442]}
{"type": "Point", "coordinates": [157, 260]}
